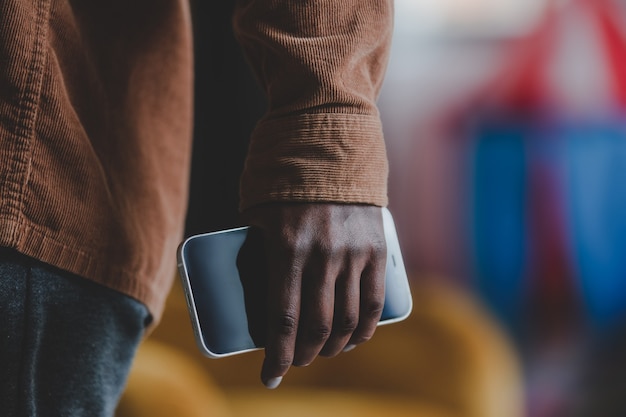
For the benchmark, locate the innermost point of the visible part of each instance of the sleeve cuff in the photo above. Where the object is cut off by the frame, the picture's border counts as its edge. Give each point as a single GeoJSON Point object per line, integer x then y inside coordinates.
{"type": "Point", "coordinates": [328, 157]}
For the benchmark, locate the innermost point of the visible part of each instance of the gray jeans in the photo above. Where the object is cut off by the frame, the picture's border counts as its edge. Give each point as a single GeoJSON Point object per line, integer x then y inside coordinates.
{"type": "Point", "coordinates": [66, 344]}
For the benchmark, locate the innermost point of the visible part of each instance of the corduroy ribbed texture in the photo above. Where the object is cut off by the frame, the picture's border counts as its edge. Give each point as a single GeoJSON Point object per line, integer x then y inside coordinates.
{"type": "Point", "coordinates": [321, 64]}
{"type": "Point", "coordinates": [95, 138]}
{"type": "Point", "coordinates": [95, 124]}
{"type": "Point", "coordinates": [316, 157]}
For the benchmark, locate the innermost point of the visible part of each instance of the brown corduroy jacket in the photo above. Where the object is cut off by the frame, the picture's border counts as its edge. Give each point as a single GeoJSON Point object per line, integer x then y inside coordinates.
{"type": "Point", "coordinates": [96, 117]}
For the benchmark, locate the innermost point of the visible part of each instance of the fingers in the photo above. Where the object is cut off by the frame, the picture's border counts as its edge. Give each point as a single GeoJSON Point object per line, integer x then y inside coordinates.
{"type": "Point", "coordinates": [326, 267]}
{"type": "Point", "coordinates": [360, 302]}
{"type": "Point", "coordinates": [346, 311]}
{"type": "Point", "coordinates": [283, 318]}
{"type": "Point", "coordinates": [372, 302]}
{"type": "Point", "coordinates": [301, 318]}
{"type": "Point", "coordinates": [325, 315]}
{"type": "Point", "coordinates": [316, 314]}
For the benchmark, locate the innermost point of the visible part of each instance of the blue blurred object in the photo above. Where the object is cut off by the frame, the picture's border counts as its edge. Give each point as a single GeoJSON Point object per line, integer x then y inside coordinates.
{"type": "Point", "coordinates": [499, 230]}
{"type": "Point", "coordinates": [513, 158]}
{"type": "Point", "coordinates": [595, 162]}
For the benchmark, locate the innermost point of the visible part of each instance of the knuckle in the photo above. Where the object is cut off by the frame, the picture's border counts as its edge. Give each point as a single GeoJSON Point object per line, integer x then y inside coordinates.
{"type": "Point", "coordinates": [291, 245]}
{"type": "Point", "coordinates": [294, 249]}
{"type": "Point", "coordinates": [379, 248]}
{"type": "Point", "coordinates": [373, 308]}
{"type": "Point", "coordinates": [319, 333]}
{"type": "Point", "coordinates": [356, 250]}
{"type": "Point", "coordinates": [284, 363]}
{"type": "Point", "coordinates": [281, 364]}
{"type": "Point", "coordinates": [299, 248]}
{"type": "Point", "coordinates": [375, 248]}
{"type": "Point", "coordinates": [286, 324]}
{"type": "Point", "coordinates": [329, 249]}
{"type": "Point", "coordinates": [347, 324]}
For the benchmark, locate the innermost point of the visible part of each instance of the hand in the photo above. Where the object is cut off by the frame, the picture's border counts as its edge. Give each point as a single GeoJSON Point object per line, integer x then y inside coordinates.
{"type": "Point", "coordinates": [326, 267]}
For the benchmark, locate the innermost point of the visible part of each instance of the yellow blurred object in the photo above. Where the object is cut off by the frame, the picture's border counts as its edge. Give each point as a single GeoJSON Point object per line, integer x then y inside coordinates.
{"type": "Point", "coordinates": [313, 402]}
{"type": "Point", "coordinates": [448, 359]}
{"type": "Point", "coordinates": [166, 383]}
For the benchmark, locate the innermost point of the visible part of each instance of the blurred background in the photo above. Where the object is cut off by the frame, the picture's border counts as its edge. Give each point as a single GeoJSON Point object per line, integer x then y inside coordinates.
{"type": "Point", "coordinates": [505, 126]}
{"type": "Point", "coordinates": [506, 135]}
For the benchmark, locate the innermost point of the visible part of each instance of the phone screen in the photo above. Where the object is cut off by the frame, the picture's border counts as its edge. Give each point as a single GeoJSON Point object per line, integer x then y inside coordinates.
{"type": "Point", "coordinates": [216, 291]}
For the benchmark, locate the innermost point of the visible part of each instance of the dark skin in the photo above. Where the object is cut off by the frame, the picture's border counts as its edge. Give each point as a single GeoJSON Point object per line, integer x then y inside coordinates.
{"type": "Point", "coordinates": [326, 266]}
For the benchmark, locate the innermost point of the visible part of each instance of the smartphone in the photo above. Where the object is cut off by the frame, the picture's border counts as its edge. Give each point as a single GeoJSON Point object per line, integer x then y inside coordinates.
{"type": "Point", "coordinates": [224, 280]}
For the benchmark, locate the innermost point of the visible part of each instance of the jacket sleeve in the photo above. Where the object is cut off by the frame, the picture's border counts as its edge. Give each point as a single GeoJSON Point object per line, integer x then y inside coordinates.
{"type": "Point", "coordinates": [321, 64]}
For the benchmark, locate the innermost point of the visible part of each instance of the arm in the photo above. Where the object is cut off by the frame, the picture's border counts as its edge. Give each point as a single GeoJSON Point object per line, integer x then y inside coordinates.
{"type": "Point", "coordinates": [316, 169]}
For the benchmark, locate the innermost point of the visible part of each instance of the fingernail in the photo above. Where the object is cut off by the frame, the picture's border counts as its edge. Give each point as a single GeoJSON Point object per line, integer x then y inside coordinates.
{"type": "Point", "coordinates": [349, 348]}
{"type": "Point", "coordinates": [273, 383]}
